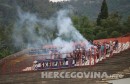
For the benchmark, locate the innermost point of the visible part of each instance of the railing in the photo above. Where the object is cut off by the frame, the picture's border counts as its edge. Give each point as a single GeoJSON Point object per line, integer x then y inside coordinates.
{"type": "Point", "coordinates": [79, 58]}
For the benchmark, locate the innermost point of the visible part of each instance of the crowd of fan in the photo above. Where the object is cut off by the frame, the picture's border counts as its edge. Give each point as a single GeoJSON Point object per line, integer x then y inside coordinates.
{"type": "Point", "coordinates": [98, 49]}
{"type": "Point", "coordinates": [80, 54]}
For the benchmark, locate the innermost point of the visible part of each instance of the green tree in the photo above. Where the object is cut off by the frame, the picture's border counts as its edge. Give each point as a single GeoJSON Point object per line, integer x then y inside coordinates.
{"type": "Point", "coordinates": [83, 25]}
{"type": "Point", "coordinates": [112, 23]}
{"type": "Point", "coordinates": [103, 14]}
{"type": "Point", "coordinates": [115, 34]}
{"type": "Point", "coordinates": [102, 35]}
{"type": "Point", "coordinates": [126, 26]}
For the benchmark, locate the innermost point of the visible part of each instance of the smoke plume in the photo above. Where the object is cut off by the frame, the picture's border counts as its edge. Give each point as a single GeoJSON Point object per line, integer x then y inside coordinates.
{"type": "Point", "coordinates": [34, 32]}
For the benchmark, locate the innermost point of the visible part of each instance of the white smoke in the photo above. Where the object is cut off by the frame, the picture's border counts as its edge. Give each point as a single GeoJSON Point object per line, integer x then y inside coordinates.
{"type": "Point", "coordinates": [66, 28]}
{"type": "Point", "coordinates": [33, 31]}
{"type": "Point", "coordinates": [66, 46]}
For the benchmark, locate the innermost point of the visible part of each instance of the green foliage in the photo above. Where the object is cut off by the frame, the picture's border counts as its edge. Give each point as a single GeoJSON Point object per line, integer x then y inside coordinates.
{"type": "Point", "coordinates": [115, 34]}
{"type": "Point", "coordinates": [4, 52]}
{"type": "Point", "coordinates": [113, 26]}
{"type": "Point", "coordinates": [83, 24]}
{"type": "Point", "coordinates": [104, 12]}
{"type": "Point", "coordinates": [126, 28]}
{"type": "Point", "coordinates": [101, 35]}
{"type": "Point", "coordinates": [112, 23]}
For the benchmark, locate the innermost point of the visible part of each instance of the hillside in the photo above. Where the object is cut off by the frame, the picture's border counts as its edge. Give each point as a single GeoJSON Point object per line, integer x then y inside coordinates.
{"type": "Point", "coordinates": [91, 8]}
{"type": "Point", "coordinates": [45, 8]}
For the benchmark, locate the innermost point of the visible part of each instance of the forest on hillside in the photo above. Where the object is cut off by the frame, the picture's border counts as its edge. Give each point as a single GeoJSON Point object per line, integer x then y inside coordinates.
{"type": "Point", "coordinates": [94, 19]}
